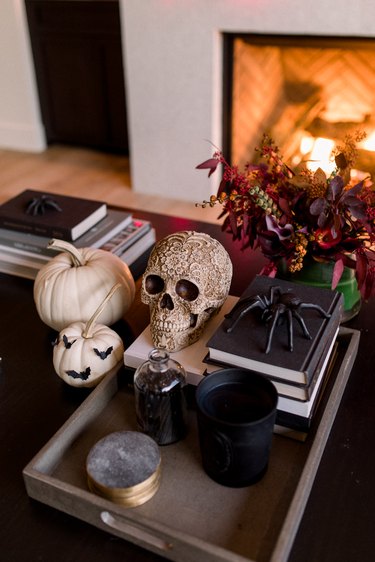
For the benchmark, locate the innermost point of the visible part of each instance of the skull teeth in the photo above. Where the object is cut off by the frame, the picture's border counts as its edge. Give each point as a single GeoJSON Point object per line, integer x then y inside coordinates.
{"type": "Point", "coordinates": [167, 326]}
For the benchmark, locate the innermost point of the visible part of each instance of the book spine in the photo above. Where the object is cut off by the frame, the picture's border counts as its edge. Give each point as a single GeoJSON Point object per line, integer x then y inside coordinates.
{"type": "Point", "coordinates": [321, 338]}
{"type": "Point", "coordinates": [293, 421]}
{"type": "Point", "coordinates": [29, 247]}
{"type": "Point", "coordinates": [24, 226]}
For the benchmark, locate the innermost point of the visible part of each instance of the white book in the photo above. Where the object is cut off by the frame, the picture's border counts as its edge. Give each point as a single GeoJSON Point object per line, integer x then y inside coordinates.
{"type": "Point", "coordinates": [191, 357]}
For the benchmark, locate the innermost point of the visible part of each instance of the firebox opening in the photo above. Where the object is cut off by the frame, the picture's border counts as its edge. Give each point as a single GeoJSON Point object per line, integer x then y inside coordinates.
{"type": "Point", "coordinates": [301, 90]}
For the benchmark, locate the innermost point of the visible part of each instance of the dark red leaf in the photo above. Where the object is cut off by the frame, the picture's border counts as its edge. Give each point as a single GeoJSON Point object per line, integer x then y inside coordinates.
{"type": "Point", "coordinates": [245, 223]}
{"type": "Point", "coordinates": [336, 225]}
{"type": "Point", "coordinates": [210, 164]}
{"type": "Point", "coordinates": [352, 201]}
{"type": "Point", "coordinates": [233, 223]}
{"type": "Point", "coordinates": [336, 186]}
{"type": "Point", "coordinates": [341, 161]}
{"type": "Point", "coordinates": [359, 213]}
{"type": "Point", "coordinates": [322, 220]}
{"type": "Point", "coordinates": [353, 190]}
{"type": "Point", "coordinates": [361, 269]}
{"type": "Point", "coordinates": [222, 187]}
{"type": "Point", "coordinates": [317, 206]}
{"type": "Point", "coordinates": [284, 205]}
{"type": "Point", "coordinates": [337, 272]}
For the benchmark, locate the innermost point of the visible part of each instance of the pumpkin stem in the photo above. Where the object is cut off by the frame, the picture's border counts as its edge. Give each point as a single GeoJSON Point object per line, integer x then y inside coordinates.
{"type": "Point", "coordinates": [63, 246]}
{"type": "Point", "coordinates": [87, 332]}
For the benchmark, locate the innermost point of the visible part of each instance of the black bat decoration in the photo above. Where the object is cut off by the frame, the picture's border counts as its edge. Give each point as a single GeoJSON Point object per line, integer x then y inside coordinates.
{"type": "Point", "coordinates": [103, 354]}
{"type": "Point", "coordinates": [83, 375]}
{"type": "Point", "coordinates": [67, 343]}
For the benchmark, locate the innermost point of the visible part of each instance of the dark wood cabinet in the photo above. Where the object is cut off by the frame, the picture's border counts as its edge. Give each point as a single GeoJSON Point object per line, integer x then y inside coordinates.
{"type": "Point", "coordinates": [77, 53]}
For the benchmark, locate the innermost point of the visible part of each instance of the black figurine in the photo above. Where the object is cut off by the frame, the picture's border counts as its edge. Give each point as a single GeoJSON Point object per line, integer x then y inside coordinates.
{"type": "Point", "coordinates": [278, 306]}
{"type": "Point", "coordinates": [39, 205]}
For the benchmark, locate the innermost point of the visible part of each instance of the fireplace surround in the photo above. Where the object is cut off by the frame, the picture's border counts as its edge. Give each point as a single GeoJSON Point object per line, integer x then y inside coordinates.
{"type": "Point", "coordinates": [174, 68]}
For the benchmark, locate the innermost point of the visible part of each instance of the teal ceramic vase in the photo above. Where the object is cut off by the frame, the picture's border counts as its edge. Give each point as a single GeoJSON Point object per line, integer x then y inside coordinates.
{"type": "Point", "coordinates": [319, 274]}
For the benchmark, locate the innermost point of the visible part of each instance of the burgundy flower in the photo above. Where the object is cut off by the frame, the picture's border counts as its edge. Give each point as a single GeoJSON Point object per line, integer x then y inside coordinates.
{"type": "Point", "coordinates": [326, 239]}
{"type": "Point", "coordinates": [292, 217]}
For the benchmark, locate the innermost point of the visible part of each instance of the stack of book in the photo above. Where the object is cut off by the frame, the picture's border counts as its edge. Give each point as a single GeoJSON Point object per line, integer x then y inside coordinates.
{"type": "Point", "coordinates": [301, 375]}
{"type": "Point", "coordinates": [29, 220]}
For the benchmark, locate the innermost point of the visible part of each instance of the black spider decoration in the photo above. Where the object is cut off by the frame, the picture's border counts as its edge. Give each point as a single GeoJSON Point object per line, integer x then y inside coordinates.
{"type": "Point", "coordinates": [278, 306]}
{"type": "Point", "coordinates": [40, 205]}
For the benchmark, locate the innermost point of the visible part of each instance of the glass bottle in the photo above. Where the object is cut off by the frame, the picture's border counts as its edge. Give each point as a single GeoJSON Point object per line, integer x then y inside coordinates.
{"type": "Point", "coordinates": [160, 401]}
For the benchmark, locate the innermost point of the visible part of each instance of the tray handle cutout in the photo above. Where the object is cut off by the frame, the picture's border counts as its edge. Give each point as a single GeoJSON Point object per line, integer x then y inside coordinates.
{"type": "Point", "coordinates": [135, 532]}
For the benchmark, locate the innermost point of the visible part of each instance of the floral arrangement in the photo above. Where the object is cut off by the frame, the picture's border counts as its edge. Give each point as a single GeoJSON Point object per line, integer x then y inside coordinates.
{"type": "Point", "coordinates": [293, 217]}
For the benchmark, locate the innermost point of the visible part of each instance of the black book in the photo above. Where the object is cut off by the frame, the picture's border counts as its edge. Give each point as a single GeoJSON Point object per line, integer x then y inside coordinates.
{"type": "Point", "coordinates": [51, 214]}
{"type": "Point", "coordinates": [113, 223]}
{"type": "Point", "coordinates": [245, 345]}
{"type": "Point", "coordinates": [301, 422]}
{"type": "Point", "coordinates": [297, 391]}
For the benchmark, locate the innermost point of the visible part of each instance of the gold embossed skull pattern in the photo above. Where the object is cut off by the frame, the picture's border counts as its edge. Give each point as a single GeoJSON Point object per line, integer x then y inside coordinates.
{"type": "Point", "coordinates": [186, 281]}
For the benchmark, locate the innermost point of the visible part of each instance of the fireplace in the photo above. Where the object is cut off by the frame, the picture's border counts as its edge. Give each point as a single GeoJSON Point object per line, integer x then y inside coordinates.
{"type": "Point", "coordinates": [304, 91]}
{"type": "Point", "coordinates": [173, 56]}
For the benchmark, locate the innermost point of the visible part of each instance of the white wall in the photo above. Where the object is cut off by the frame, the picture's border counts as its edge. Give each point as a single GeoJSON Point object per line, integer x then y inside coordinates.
{"type": "Point", "coordinates": [173, 74]}
{"type": "Point", "coordinates": [20, 123]}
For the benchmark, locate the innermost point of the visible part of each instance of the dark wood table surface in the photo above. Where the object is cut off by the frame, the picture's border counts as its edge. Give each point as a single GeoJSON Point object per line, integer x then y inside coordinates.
{"type": "Point", "coordinates": [339, 520]}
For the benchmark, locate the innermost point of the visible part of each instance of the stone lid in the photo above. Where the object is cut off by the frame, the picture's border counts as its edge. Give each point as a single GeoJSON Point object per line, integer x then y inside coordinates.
{"type": "Point", "coordinates": [124, 467]}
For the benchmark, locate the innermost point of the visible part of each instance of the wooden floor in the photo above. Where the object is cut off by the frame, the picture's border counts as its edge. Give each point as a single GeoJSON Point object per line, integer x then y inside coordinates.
{"type": "Point", "coordinates": [86, 173]}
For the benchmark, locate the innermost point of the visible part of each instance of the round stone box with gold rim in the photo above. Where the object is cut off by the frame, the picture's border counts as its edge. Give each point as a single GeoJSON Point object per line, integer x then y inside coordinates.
{"type": "Point", "coordinates": [124, 467]}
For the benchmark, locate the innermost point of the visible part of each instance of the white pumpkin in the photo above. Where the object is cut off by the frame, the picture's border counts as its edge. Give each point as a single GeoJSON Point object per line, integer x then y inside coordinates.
{"type": "Point", "coordinates": [86, 352]}
{"type": "Point", "coordinates": [72, 284]}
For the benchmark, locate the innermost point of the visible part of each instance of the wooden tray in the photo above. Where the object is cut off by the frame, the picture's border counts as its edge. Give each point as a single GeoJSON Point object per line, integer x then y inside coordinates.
{"type": "Point", "coordinates": [191, 517]}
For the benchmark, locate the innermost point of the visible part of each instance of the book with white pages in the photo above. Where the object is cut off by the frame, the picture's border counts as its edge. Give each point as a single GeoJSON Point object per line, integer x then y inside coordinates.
{"type": "Point", "coordinates": [305, 407]}
{"type": "Point", "coordinates": [27, 265]}
{"type": "Point", "coordinates": [191, 357]}
{"type": "Point", "coordinates": [287, 388]}
{"type": "Point", "coordinates": [115, 233]}
{"type": "Point", "coordinates": [51, 214]}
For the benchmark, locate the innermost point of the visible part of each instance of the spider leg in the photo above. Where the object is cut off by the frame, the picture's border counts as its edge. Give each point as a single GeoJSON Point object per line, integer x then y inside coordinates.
{"type": "Point", "coordinates": [51, 203]}
{"type": "Point", "coordinates": [290, 329]}
{"type": "Point", "coordinates": [275, 318]}
{"type": "Point", "coordinates": [240, 309]}
{"type": "Point", "coordinates": [315, 307]}
{"type": "Point", "coordinates": [274, 289]}
{"type": "Point", "coordinates": [30, 210]}
{"type": "Point", "coordinates": [301, 322]}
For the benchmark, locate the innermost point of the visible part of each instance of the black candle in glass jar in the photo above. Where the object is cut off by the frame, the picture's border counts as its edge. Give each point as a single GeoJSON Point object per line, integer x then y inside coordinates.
{"type": "Point", "coordinates": [160, 398]}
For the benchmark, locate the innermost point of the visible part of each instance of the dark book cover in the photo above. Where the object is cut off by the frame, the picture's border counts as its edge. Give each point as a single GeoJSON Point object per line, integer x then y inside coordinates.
{"type": "Point", "coordinates": [291, 393]}
{"type": "Point", "coordinates": [51, 214]}
{"type": "Point", "coordinates": [113, 223]}
{"type": "Point", "coordinates": [298, 391]}
{"type": "Point", "coordinates": [245, 345]}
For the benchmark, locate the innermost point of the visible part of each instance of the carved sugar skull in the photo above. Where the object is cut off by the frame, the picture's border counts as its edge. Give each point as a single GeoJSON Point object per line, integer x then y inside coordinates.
{"type": "Point", "coordinates": [187, 279]}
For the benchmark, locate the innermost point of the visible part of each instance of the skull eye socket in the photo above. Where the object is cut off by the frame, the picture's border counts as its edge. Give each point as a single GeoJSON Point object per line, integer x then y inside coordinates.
{"type": "Point", "coordinates": [154, 284]}
{"type": "Point", "coordinates": [187, 290]}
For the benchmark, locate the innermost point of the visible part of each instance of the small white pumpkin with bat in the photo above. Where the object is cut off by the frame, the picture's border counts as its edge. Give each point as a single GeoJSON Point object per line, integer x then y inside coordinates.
{"type": "Point", "coordinates": [85, 352]}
